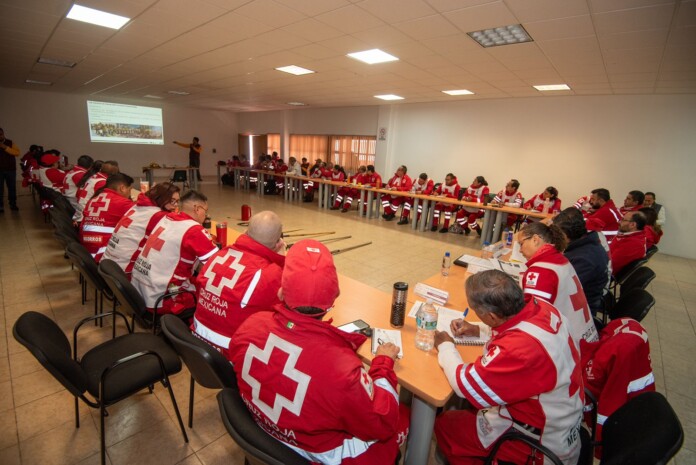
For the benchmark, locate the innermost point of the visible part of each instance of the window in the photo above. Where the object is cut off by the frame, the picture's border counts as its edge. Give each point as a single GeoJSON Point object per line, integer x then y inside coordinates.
{"type": "Point", "coordinates": [352, 151]}
{"type": "Point", "coordinates": [309, 146]}
{"type": "Point", "coordinates": [273, 143]}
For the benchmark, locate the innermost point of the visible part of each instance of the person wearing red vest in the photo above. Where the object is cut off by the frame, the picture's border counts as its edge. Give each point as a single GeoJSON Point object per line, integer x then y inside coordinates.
{"type": "Point", "coordinates": [73, 177]}
{"type": "Point", "coordinates": [546, 202]}
{"type": "Point", "coordinates": [551, 277]}
{"type": "Point", "coordinates": [617, 368]}
{"type": "Point", "coordinates": [400, 182]}
{"type": "Point", "coordinates": [93, 180]}
{"type": "Point", "coordinates": [302, 380]}
{"type": "Point", "coordinates": [50, 176]}
{"type": "Point", "coordinates": [103, 212]}
{"type": "Point", "coordinates": [449, 189]}
{"type": "Point", "coordinates": [310, 186]}
{"type": "Point", "coordinates": [629, 244]}
{"type": "Point", "coordinates": [468, 217]}
{"type": "Point", "coordinates": [280, 168]}
{"type": "Point", "coordinates": [529, 378]}
{"type": "Point", "coordinates": [605, 217]}
{"type": "Point", "coordinates": [240, 280]}
{"type": "Point", "coordinates": [351, 193]}
{"type": "Point", "coordinates": [509, 197]}
{"type": "Point", "coordinates": [168, 259]}
{"type": "Point", "coordinates": [137, 224]}
{"type": "Point", "coordinates": [422, 186]}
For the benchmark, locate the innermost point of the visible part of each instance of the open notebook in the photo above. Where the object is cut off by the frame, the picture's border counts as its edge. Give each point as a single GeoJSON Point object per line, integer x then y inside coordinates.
{"type": "Point", "coordinates": [382, 336]}
{"type": "Point", "coordinates": [444, 319]}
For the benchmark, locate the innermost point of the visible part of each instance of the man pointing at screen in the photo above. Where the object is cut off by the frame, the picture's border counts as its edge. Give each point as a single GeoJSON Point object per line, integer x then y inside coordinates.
{"type": "Point", "coordinates": [194, 154]}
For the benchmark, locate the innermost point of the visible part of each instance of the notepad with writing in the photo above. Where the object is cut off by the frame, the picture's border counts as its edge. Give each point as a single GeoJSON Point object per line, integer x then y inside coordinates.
{"type": "Point", "coordinates": [382, 336]}
{"type": "Point", "coordinates": [445, 316]}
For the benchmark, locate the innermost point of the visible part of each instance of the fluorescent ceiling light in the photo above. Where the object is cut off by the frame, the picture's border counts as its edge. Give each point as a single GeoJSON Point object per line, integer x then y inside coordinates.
{"type": "Point", "coordinates": [373, 56]}
{"type": "Point", "coordinates": [297, 104]}
{"type": "Point", "coordinates": [53, 61]}
{"type": "Point", "coordinates": [152, 96]}
{"type": "Point", "coordinates": [178, 92]}
{"type": "Point", "coordinates": [42, 83]}
{"type": "Point", "coordinates": [98, 17]}
{"type": "Point", "coordinates": [503, 35]}
{"type": "Point", "coordinates": [296, 70]}
{"type": "Point", "coordinates": [457, 92]}
{"type": "Point", "coordinates": [552, 87]}
{"type": "Point", "coordinates": [389, 97]}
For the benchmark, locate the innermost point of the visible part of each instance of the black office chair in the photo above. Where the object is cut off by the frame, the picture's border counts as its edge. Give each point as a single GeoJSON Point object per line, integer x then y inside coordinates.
{"type": "Point", "coordinates": [628, 270]}
{"type": "Point", "coordinates": [585, 457]}
{"type": "Point", "coordinates": [639, 279]}
{"type": "Point", "coordinates": [109, 372]}
{"type": "Point", "coordinates": [635, 304]}
{"type": "Point", "coordinates": [87, 267]}
{"type": "Point", "coordinates": [651, 251]}
{"type": "Point", "coordinates": [182, 177]}
{"type": "Point", "coordinates": [258, 446]}
{"type": "Point", "coordinates": [207, 366]}
{"type": "Point", "coordinates": [643, 431]}
{"type": "Point", "coordinates": [131, 300]}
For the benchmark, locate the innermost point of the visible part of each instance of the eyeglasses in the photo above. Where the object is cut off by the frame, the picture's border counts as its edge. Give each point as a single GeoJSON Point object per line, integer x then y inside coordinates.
{"type": "Point", "coordinates": [173, 201]}
{"type": "Point", "coordinates": [522, 240]}
{"type": "Point", "coordinates": [201, 207]}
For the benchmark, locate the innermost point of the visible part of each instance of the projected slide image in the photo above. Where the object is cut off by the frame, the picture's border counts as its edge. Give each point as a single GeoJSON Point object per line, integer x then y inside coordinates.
{"type": "Point", "coordinates": [125, 124]}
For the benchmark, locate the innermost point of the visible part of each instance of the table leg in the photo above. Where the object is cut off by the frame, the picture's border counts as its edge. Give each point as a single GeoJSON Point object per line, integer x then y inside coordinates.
{"type": "Point", "coordinates": [370, 197]}
{"type": "Point", "coordinates": [414, 212]}
{"type": "Point", "coordinates": [261, 183]}
{"type": "Point", "coordinates": [431, 213]}
{"type": "Point", "coordinates": [327, 196]}
{"type": "Point", "coordinates": [321, 194]}
{"type": "Point", "coordinates": [235, 179]}
{"type": "Point", "coordinates": [361, 209]}
{"type": "Point", "coordinates": [420, 432]}
{"type": "Point", "coordinates": [488, 219]}
{"type": "Point", "coordinates": [218, 178]}
{"type": "Point", "coordinates": [150, 175]}
{"type": "Point", "coordinates": [498, 230]}
{"type": "Point", "coordinates": [193, 178]}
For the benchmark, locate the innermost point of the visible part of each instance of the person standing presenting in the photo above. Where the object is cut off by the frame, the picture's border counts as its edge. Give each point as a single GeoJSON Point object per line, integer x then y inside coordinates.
{"type": "Point", "coordinates": [8, 171]}
{"type": "Point", "coordinates": [194, 154]}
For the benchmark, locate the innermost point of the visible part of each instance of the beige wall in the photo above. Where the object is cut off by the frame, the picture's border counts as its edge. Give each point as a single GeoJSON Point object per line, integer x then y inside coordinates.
{"type": "Point", "coordinates": [60, 121]}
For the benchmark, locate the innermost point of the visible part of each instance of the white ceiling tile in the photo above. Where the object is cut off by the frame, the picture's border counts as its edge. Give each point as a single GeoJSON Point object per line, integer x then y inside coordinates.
{"type": "Point", "coordinates": [654, 17]}
{"type": "Point", "coordinates": [350, 19]}
{"type": "Point", "coordinates": [382, 36]}
{"type": "Point", "coordinates": [313, 7]}
{"type": "Point", "coordinates": [563, 28]}
{"type": "Point", "coordinates": [481, 17]}
{"type": "Point", "coordinates": [686, 14]}
{"type": "Point", "coordinates": [427, 27]}
{"type": "Point", "coordinates": [603, 6]}
{"type": "Point", "coordinates": [314, 51]}
{"type": "Point", "coordinates": [395, 11]}
{"type": "Point", "coordinates": [270, 12]}
{"type": "Point", "coordinates": [312, 30]}
{"type": "Point", "coordinates": [527, 11]}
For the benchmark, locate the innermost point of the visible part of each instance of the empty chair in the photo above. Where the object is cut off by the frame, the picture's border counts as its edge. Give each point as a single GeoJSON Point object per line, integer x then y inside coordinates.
{"type": "Point", "coordinates": [258, 446]}
{"type": "Point", "coordinates": [651, 251]}
{"type": "Point", "coordinates": [207, 366]}
{"type": "Point", "coordinates": [635, 304]}
{"type": "Point", "coordinates": [639, 279]}
{"type": "Point", "coordinates": [628, 270]}
{"type": "Point", "coordinates": [108, 372]}
{"type": "Point", "coordinates": [182, 177]}
{"type": "Point", "coordinates": [644, 431]}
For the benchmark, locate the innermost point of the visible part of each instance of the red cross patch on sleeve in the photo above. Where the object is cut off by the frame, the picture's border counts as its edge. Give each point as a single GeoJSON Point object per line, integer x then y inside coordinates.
{"type": "Point", "coordinates": [367, 384]}
{"type": "Point", "coordinates": [531, 279]}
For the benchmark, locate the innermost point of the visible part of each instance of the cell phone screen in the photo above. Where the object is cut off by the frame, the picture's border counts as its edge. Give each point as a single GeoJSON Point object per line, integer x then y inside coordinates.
{"type": "Point", "coordinates": [349, 328]}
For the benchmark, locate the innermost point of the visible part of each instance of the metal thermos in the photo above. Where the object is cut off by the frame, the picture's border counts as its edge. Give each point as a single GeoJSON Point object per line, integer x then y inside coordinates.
{"type": "Point", "coordinates": [221, 233]}
{"type": "Point", "coordinates": [398, 308]}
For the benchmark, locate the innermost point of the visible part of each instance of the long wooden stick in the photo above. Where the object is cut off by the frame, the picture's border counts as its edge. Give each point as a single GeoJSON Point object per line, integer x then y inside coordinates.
{"type": "Point", "coordinates": [310, 234]}
{"type": "Point", "coordinates": [324, 241]}
{"type": "Point", "coordinates": [346, 249]}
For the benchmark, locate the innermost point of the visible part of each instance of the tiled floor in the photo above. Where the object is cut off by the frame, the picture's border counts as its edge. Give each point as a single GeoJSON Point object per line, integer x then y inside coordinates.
{"type": "Point", "coordinates": [36, 413]}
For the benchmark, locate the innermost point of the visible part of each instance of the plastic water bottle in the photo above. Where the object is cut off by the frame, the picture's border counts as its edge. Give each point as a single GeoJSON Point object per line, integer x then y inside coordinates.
{"type": "Point", "coordinates": [426, 324]}
{"type": "Point", "coordinates": [508, 237]}
{"type": "Point", "coordinates": [446, 262]}
{"type": "Point", "coordinates": [486, 251]}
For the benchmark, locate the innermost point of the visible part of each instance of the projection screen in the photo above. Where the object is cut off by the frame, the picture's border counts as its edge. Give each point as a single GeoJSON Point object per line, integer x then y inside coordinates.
{"type": "Point", "coordinates": [124, 124]}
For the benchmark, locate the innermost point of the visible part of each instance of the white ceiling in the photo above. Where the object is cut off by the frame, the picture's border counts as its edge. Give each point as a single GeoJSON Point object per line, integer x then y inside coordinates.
{"type": "Point", "coordinates": [224, 51]}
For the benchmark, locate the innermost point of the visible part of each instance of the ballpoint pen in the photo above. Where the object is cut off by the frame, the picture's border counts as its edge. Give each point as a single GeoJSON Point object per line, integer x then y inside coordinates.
{"type": "Point", "coordinates": [466, 312]}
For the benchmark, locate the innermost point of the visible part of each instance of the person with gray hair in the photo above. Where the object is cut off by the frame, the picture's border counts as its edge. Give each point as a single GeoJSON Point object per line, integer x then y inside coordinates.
{"type": "Point", "coordinates": [528, 379]}
{"type": "Point", "coordinates": [240, 280]}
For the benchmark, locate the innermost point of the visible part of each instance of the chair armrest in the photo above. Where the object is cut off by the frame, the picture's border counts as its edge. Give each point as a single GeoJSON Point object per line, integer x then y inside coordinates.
{"type": "Point", "coordinates": [514, 435]}
{"type": "Point", "coordinates": [94, 317]}
{"type": "Point", "coordinates": [168, 295]}
{"type": "Point", "coordinates": [593, 402]}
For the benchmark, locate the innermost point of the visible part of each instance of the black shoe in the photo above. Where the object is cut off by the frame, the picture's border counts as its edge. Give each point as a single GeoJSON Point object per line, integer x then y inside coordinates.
{"type": "Point", "coordinates": [434, 228]}
{"type": "Point", "coordinates": [333, 208]}
{"type": "Point", "coordinates": [466, 230]}
{"type": "Point", "coordinates": [385, 216]}
{"type": "Point", "coordinates": [444, 230]}
{"type": "Point", "coordinates": [389, 217]}
{"type": "Point", "coordinates": [478, 231]}
{"type": "Point", "coordinates": [14, 208]}
{"type": "Point", "coordinates": [402, 221]}
{"type": "Point", "coordinates": [344, 210]}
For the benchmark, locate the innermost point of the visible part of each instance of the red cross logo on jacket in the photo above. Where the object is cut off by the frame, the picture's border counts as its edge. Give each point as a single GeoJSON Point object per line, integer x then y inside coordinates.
{"type": "Point", "coordinates": [154, 242]}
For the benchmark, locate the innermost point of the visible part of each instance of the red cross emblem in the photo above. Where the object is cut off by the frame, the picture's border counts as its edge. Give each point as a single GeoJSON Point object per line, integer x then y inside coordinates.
{"type": "Point", "coordinates": [224, 271]}
{"type": "Point", "coordinates": [154, 242]}
{"type": "Point", "coordinates": [125, 222]}
{"type": "Point", "coordinates": [274, 373]}
{"type": "Point", "coordinates": [579, 301]}
{"type": "Point", "coordinates": [99, 204]}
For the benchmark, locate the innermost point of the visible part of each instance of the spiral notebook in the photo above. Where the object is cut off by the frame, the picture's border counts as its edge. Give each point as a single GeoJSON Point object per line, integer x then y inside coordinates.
{"type": "Point", "coordinates": [382, 336]}
{"type": "Point", "coordinates": [444, 319]}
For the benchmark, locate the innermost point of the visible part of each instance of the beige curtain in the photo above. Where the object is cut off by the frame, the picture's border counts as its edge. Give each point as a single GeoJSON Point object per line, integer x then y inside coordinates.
{"type": "Point", "coordinates": [352, 151]}
{"type": "Point", "coordinates": [273, 141]}
{"type": "Point", "coordinates": [309, 146]}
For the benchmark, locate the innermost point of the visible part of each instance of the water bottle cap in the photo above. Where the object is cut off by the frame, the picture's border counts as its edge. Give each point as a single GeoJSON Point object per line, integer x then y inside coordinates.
{"type": "Point", "coordinates": [447, 254]}
{"type": "Point", "coordinates": [486, 243]}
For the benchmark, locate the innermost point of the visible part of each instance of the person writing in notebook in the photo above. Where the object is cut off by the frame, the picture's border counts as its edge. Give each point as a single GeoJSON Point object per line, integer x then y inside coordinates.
{"type": "Point", "coordinates": [528, 379]}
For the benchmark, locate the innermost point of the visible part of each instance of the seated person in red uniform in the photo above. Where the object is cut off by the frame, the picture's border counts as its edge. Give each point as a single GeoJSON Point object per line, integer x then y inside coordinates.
{"type": "Point", "coordinates": [617, 368]}
{"type": "Point", "coordinates": [240, 280]}
{"type": "Point", "coordinates": [605, 217]}
{"type": "Point", "coordinates": [74, 176]}
{"type": "Point", "coordinates": [633, 202]}
{"type": "Point", "coordinates": [137, 224]}
{"type": "Point", "coordinates": [449, 189]}
{"type": "Point", "coordinates": [310, 187]}
{"type": "Point", "coordinates": [629, 244]}
{"type": "Point", "coordinates": [351, 193]}
{"type": "Point", "coordinates": [528, 379]}
{"type": "Point", "coordinates": [177, 245]}
{"type": "Point", "coordinates": [546, 202]}
{"type": "Point", "coordinates": [653, 231]}
{"type": "Point", "coordinates": [550, 276]}
{"type": "Point", "coordinates": [50, 175]}
{"type": "Point", "coordinates": [103, 212]}
{"type": "Point", "coordinates": [509, 197]}
{"type": "Point", "coordinates": [399, 182]}
{"type": "Point", "coordinates": [422, 186]}
{"type": "Point", "coordinates": [302, 380]}
{"type": "Point", "coordinates": [468, 217]}
{"type": "Point", "coordinates": [93, 180]}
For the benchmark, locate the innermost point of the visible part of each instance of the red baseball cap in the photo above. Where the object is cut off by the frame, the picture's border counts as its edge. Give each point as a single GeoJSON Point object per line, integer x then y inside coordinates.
{"type": "Point", "coordinates": [309, 276]}
{"type": "Point", "coordinates": [48, 159]}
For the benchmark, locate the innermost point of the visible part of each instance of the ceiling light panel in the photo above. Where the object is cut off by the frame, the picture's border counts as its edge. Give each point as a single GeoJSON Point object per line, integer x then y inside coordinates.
{"type": "Point", "coordinates": [97, 17]}
{"type": "Point", "coordinates": [457, 92]}
{"type": "Point", "coordinates": [548, 87]}
{"type": "Point", "coordinates": [178, 92]}
{"type": "Point", "coordinates": [41, 83]}
{"type": "Point", "coordinates": [53, 61]}
{"type": "Point", "coordinates": [503, 35]}
{"type": "Point", "coordinates": [373, 56]}
{"type": "Point", "coordinates": [296, 70]}
{"type": "Point", "coordinates": [389, 97]}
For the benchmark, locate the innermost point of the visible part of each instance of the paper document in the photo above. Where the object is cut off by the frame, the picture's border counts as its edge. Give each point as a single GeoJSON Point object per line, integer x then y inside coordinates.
{"type": "Point", "coordinates": [382, 336]}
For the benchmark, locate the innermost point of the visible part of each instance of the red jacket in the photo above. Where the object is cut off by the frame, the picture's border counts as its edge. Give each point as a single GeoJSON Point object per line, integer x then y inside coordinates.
{"type": "Point", "coordinates": [85, 193]}
{"type": "Point", "coordinates": [372, 180]}
{"type": "Point", "coordinates": [423, 189]}
{"type": "Point", "coordinates": [605, 219]}
{"type": "Point", "coordinates": [617, 367]}
{"type": "Point", "coordinates": [451, 192]}
{"type": "Point", "coordinates": [235, 283]}
{"type": "Point", "coordinates": [100, 217]}
{"type": "Point", "coordinates": [537, 203]}
{"type": "Point", "coordinates": [304, 384]}
{"type": "Point", "coordinates": [651, 236]}
{"type": "Point", "coordinates": [626, 248]}
{"type": "Point", "coordinates": [402, 184]}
